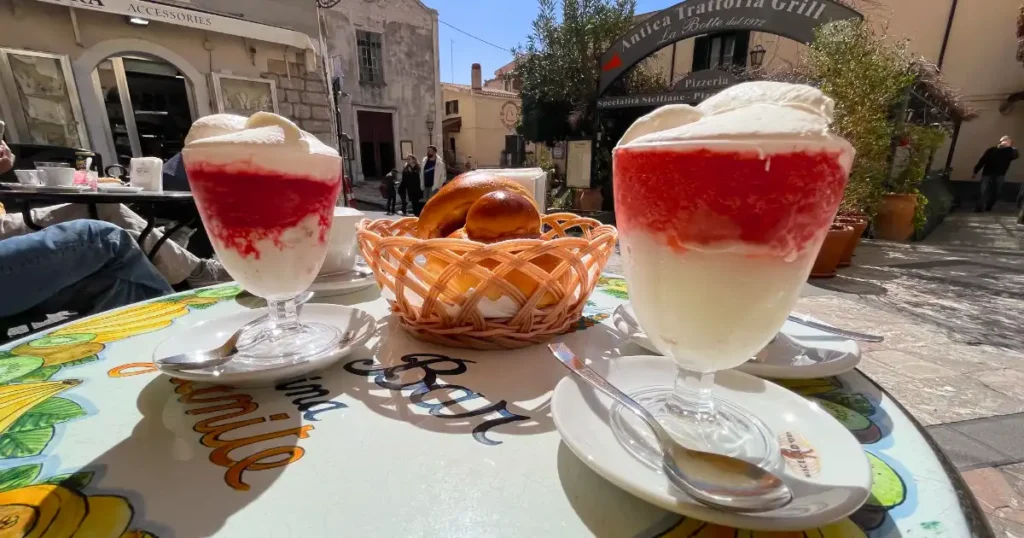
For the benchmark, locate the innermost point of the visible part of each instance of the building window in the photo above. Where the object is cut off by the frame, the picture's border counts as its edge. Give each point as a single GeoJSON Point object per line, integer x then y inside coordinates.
{"type": "Point", "coordinates": [369, 46]}
{"type": "Point", "coordinates": [723, 50]}
{"type": "Point", "coordinates": [451, 107]}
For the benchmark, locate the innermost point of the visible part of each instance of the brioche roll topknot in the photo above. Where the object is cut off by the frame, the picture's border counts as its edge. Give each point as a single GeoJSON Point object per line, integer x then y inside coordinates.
{"type": "Point", "coordinates": [446, 211]}
{"type": "Point", "coordinates": [502, 215]}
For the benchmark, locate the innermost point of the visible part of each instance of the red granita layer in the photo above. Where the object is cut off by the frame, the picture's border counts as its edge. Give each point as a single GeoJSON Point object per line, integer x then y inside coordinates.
{"type": "Point", "coordinates": [703, 196]}
{"type": "Point", "coordinates": [241, 208]}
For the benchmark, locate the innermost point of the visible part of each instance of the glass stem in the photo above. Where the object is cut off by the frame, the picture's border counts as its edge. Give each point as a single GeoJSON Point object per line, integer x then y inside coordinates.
{"type": "Point", "coordinates": [693, 394]}
{"type": "Point", "coordinates": [284, 317]}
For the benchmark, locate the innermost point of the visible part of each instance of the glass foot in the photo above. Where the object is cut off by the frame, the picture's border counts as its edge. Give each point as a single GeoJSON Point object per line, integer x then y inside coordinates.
{"type": "Point", "coordinates": [729, 430]}
{"type": "Point", "coordinates": [267, 345]}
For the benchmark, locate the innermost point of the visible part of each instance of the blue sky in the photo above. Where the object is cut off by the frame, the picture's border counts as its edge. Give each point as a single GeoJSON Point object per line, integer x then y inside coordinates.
{"type": "Point", "coordinates": [505, 23]}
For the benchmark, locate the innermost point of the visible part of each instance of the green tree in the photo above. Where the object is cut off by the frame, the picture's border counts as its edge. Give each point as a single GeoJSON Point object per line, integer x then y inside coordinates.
{"type": "Point", "coordinates": [867, 77]}
{"type": "Point", "coordinates": [559, 69]}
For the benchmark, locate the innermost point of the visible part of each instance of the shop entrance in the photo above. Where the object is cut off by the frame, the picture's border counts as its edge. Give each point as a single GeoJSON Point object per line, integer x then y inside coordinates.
{"type": "Point", "coordinates": [376, 143]}
{"type": "Point", "coordinates": [148, 105]}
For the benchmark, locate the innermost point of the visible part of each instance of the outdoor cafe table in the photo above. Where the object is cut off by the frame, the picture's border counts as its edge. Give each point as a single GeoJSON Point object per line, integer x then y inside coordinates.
{"type": "Point", "coordinates": [93, 438]}
{"type": "Point", "coordinates": [146, 204]}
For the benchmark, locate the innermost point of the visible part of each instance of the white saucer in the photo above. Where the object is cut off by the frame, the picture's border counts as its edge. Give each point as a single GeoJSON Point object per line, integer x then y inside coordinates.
{"type": "Point", "coordinates": [211, 333]}
{"type": "Point", "coordinates": [110, 187]}
{"type": "Point", "coordinates": [345, 281]}
{"type": "Point", "coordinates": [799, 352]}
{"type": "Point", "coordinates": [838, 479]}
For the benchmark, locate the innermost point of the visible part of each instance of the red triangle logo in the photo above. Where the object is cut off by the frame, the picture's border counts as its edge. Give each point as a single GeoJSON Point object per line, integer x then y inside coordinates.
{"type": "Point", "coordinates": [614, 63]}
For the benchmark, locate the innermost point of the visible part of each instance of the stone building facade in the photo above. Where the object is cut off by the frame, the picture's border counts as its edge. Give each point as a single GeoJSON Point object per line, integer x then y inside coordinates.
{"type": "Point", "coordinates": [304, 97]}
{"type": "Point", "coordinates": [385, 53]}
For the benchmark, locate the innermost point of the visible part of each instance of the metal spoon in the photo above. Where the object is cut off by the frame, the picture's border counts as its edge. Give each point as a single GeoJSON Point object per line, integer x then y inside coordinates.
{"type": "Point", "coordinates": [852, 335]}
{"type": "Point", "coordinates": [221, 354]}
{"type": "Point", "coordinates": [716, 480]}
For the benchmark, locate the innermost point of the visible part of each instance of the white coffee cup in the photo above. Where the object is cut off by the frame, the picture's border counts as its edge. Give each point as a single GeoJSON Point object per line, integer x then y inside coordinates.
{"type": "Point", "coordinates": [58, 177]}
{"type": "Point", "coordinates": [341, 249]}
{"type": "Point", "coordinates": [28, 177]}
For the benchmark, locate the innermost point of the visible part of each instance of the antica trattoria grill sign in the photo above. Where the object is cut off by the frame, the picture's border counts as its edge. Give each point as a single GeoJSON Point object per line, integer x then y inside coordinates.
{"type": "Point", "coordinates": [795, 19]}
{"type": "Point", "coordinates": [692, 88]}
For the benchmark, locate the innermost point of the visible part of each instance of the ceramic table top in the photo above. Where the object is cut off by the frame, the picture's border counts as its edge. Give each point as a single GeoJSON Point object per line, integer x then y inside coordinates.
{"type": "Point", "coordinates": [401, 438]}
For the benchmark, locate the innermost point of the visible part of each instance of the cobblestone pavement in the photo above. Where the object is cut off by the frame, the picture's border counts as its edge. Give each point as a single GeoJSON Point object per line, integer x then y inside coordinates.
{"type": "Point", "coordinates": [951, 309]}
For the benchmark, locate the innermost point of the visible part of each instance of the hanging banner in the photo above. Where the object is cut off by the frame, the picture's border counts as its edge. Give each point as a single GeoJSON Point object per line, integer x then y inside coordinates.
{"type": "Point", "coordinates": [795, 19]}
{"type": "Point", "coordinates": [192, 18]}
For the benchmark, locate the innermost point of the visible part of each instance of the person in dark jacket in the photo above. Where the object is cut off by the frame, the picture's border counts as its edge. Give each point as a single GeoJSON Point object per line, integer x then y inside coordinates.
{"type": "Point", "coordinates": [993, 166]}
{"type": "Point", "coordinates": [409, 188]}
{"type": "Point", "coordinates": [390, 188]}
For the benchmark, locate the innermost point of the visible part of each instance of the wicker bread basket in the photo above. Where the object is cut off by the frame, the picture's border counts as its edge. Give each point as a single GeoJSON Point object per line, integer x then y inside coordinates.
{"type": "Point", "coordinates": [431, 307]}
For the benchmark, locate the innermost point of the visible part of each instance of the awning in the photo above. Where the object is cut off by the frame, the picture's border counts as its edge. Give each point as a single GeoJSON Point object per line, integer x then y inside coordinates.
{"type": "Point", "coordinates": [194, 19]}
{"type": "Point", "coordinates": [451, 125]}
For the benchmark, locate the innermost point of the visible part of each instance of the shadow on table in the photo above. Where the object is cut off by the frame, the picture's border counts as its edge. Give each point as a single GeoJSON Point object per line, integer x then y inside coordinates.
{"type": "Point", "coordinates": [600, 504]}
{"type": "Point", "coordinates": [456, 391]}
{"type": "Point", "coordinates": [199, 483]}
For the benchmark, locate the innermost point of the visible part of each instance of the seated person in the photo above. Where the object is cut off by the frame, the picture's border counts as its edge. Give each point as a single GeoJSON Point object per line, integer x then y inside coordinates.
{"type": "Point", "coordinates": [174, 262]}
{"type": "Point", "coordinates": [85, 266]}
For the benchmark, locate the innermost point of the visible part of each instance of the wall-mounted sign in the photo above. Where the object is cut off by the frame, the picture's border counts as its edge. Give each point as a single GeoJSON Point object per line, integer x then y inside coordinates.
{"type": "Point", "coordinates": [509, 114]}
{"type": "Point", "coordinates": [193, 18]}
{"type": "Point", "coordinates": [689, 89]}
{"type": "Point", "coordinates": [795, 19]}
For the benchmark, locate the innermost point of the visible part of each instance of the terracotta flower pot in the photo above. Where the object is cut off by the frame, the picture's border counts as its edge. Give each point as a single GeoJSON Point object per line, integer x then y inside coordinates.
{"type": "Point", "coordinates": [859, 224]}
{"type": "Point", "coordinates": [828, 257]}
{"type": "Point", "coordinates": [895, 218]}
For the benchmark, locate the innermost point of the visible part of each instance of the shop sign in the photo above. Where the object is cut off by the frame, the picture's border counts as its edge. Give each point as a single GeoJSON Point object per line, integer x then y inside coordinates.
{"type": "Point", "coordinates": [795, 19]}
{"type": "Point", "coordinates": [191, 18]}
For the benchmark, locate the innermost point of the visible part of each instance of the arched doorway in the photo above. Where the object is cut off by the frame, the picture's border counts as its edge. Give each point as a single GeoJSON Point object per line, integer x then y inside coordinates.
{"type": "Point", "coordinates": [167, 92]}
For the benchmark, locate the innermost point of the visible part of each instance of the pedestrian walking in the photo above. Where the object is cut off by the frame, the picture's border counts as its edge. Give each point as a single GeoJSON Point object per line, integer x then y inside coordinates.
{"type": "Point", "coordinates": [390, 187]}
{"type": "Point", "coordinates": [409, 187]}
{"type": "Point", "coordinates": [432, 173]}
{"type": "Point", "coordinates": [993, 166]}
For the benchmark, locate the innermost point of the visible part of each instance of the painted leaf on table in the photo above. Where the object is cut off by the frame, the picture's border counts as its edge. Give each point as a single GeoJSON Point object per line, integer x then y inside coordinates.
{"type": "Point", "coordinates": [75, 481]}
{"type": "Point", "coordinates": [12, 367]}
{"type": "Point", "coordinates": [47, 413]}
{"type": "Point", "coordinates": [81, 361]}
{"type": "Point", "coordinates": [40, 374]}
{"type": "Point", "coordinates": [25, 443]}
{"type": "Point", "coordinates": [17, 477]}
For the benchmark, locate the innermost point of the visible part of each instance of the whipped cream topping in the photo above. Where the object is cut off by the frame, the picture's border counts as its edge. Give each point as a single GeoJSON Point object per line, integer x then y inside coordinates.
{"type": "Point", "coordinates": [772, 116]}
{"type": "Point", "coordinates": [266, 142]}
{"type": "Point", "coordinates": [214, 125]}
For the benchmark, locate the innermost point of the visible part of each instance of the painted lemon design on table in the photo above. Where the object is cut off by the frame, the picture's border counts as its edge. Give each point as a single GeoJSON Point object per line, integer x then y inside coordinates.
{"type": "Point", "coordinates": [28, 412]}
{"type": "Point", "coordinates": [54, 511]}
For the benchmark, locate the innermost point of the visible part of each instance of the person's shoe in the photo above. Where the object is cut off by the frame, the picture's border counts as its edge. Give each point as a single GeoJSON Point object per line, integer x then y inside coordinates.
{"type": "Point", "coordinates": [208, 273]}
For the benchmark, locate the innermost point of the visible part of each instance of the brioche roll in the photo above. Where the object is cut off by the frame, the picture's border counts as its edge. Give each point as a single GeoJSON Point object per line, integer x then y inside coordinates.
{"type": "Point", "coordinates": [446, 211]}
{"type": "Point", "coordinates": [502, 215]}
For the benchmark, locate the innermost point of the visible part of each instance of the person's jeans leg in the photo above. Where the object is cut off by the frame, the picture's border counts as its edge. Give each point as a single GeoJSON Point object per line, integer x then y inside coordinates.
{"type": "Point", "coordinates": [983, 188]}
{"type": "Point", "coordinates": [173, 261]}
{"type": "Point", "coordinates": [995, 189]}
{"type": "Point", "coordinates": [85, 266]}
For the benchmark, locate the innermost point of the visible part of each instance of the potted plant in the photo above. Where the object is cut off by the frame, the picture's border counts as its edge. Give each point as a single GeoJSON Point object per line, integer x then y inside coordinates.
{"type": "Point", "coordinates": [831, 250]}
{"type": "Point", "coordinates": [902, 208]}
{"type": "Point", "coordinates": [867, 76]}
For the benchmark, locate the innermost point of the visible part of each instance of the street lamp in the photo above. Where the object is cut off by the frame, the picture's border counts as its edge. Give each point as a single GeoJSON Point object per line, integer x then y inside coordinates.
{"type": "Point", "coordinates": [757, 56]}
{"type": "Point", "coordinates": [430, 128]}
